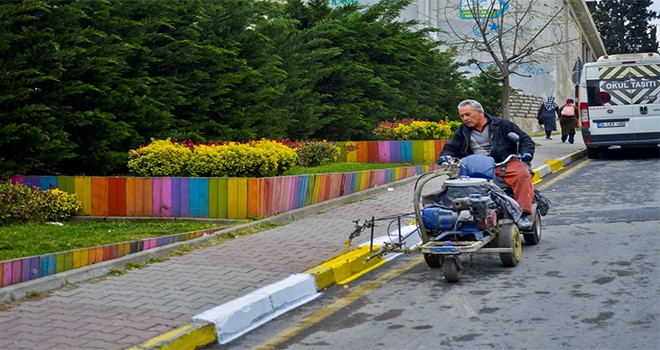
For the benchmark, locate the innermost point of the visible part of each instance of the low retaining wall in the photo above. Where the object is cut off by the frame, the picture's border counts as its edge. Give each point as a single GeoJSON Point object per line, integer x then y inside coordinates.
{"type": "Point", "coordinates": [220, 198]}
{"type": "Point", "coordinates": [234, 198]}
{"type": "Point", "coordinates": [34, 267]}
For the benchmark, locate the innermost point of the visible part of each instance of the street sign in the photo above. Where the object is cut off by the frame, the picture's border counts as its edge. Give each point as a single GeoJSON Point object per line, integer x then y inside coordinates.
{"type": "Point", "coordinates": [577, 71]}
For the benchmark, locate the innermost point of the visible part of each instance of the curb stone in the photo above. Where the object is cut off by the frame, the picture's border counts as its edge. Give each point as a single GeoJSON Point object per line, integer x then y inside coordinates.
{"type": "Point", "coordinates": [346, 266]}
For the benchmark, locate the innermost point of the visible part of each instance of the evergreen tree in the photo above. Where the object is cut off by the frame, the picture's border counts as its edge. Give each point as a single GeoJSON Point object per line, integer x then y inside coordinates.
{"type": "Point", "coordinates": [86, 81]}
{"type": "Point", "coordinates": [625, 25]}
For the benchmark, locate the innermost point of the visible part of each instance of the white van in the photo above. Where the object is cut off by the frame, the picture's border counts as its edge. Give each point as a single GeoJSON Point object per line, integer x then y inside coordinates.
{"type": "Point", "coordinates": [619, 102]}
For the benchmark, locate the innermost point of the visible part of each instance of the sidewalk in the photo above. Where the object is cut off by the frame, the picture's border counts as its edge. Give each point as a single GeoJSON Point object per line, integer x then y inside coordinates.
{"type": "Point", "coordinates": [139, 308]}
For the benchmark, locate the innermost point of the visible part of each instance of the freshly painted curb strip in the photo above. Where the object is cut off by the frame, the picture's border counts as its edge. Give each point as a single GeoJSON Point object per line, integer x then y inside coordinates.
{"type": "Point", "coordinates": [253, 310]}
{"type": "Point", "coordinates": [342, 267]}
{"type": "Point", "coordinates": [555, 165]}
{"type": "Point", "coordinates": [245, 313]}
{"type": "Point", "coordinates": [189, 336]}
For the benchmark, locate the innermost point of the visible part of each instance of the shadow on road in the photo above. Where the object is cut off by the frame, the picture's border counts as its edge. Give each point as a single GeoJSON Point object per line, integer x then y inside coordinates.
{"type": "Point", "coordinates": [633, 153]}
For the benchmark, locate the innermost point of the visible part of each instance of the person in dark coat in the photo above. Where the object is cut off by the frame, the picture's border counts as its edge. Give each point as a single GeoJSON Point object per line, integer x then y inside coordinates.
{"type": "Point", "coordinates": [481, 133]}
{"type": "Point", "coordinates": [568, 120]}
{"type": "Point", "coordinates": [548, 113]}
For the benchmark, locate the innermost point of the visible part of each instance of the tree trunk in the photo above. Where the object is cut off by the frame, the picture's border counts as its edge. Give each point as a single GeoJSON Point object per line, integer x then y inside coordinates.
{"type": "Point", "coordinates": [506, 94]}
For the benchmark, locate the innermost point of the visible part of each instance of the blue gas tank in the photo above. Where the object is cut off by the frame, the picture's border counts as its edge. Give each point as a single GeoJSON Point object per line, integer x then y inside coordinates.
{"type": "Point", "coordinates": [436, 218]}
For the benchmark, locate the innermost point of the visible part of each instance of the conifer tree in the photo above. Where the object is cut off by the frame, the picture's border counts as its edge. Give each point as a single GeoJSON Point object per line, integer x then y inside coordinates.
{"type": "Point", "coordinates": [625, 25]}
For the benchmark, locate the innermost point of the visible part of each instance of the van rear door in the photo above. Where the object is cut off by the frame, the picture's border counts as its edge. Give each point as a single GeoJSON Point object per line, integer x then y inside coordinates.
{"type": "Point", "coordinates": [610, 109]}
{"type": "Point", "coordinates": [645, 99]}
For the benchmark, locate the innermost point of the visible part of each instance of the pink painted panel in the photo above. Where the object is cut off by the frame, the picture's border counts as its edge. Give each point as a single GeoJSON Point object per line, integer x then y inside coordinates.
{"type": "Point", "coordinates": [6, 273]}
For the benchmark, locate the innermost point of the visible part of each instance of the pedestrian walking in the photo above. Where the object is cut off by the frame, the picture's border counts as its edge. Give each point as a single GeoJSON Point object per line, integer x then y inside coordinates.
{"type": "Point", "coordinates": [568, 121]}
{"type": "Point", "coordinates": [548, 112]}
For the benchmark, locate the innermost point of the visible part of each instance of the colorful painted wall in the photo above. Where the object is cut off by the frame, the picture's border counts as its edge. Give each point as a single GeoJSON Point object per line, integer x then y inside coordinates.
{"type": "Point", "coordinates": [223, 198]}
{"type": "Point", "coordinates": [30, 268]}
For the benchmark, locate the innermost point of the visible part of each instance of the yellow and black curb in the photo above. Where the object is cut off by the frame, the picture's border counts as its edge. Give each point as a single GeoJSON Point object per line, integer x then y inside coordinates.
{"type": "Point", "coordinates": [228, 321]}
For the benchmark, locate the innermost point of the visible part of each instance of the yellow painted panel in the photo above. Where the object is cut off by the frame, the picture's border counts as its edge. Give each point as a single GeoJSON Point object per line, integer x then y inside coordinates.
{"type": "Point", "coordinates": [232, 198]}
{"type": "Point", "coordinates": [83, 188]}
{"type": "Point", "coordinates": [241, 200]}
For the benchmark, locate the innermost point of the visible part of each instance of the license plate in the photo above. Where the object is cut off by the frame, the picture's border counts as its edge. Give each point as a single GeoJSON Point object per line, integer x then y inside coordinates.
{"type": "Point", "coordinates": [611, 124]}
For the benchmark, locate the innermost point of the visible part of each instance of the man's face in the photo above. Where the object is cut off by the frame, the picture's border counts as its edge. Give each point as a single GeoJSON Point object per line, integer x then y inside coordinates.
{"type": "Point", "coordinates": [472, 118]}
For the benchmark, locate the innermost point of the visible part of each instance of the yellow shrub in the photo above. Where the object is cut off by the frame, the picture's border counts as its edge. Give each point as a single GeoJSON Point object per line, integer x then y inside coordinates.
{"type": "Point", "coordinates": [159, 158]}
{"type": "Point", "coordinates": [255, 159]}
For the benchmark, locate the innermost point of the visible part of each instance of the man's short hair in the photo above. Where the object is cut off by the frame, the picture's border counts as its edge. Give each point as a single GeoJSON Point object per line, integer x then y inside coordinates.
{"type": "Point", "coordinates": [476, 105]}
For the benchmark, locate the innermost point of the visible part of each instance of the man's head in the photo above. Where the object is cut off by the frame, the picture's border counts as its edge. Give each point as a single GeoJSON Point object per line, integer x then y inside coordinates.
{"type": "Point", "coordinates": [472, 114]}
{"type": "Point", "coordinates": [569, 101]}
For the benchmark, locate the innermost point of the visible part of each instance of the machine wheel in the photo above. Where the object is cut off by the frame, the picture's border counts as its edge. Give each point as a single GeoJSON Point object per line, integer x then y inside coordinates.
{"type": "Point", "coordinates": [510, 238]}
{"type": "Point", "coordinates": [593, 153]}
{"type": "Point", "coordinates": [433, 260]}
{"type": "Point", "coordinates": [450, 269]}
{"type": "Point", "coordinates": [533, 237]}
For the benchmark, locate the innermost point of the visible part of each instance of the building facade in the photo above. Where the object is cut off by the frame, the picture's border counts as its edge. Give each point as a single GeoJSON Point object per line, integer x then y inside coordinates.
{"type": "Point", "coordinates": [561, 34]}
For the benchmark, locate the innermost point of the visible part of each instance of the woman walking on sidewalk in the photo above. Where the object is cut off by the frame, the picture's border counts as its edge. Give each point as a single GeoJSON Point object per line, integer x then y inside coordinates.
{"type": "Point", "coordinates": [568, 120]}
{"type": "Point", "coordinates": [548, 112]}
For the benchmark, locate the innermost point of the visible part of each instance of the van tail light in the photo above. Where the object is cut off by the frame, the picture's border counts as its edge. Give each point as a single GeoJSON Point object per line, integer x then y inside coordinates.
{"type": "Point", "coordinates": [584, 114]}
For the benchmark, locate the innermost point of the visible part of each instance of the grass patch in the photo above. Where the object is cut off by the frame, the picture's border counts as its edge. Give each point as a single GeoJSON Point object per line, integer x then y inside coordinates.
{"type": "Point", "coordinates": [343, 167]}
{"type": "Point", "coordinates": [19, 241]}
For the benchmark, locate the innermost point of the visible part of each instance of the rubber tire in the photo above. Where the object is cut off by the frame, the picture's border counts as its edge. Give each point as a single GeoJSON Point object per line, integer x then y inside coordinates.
{"type": "Point", "coordinates": [450, 270]}
{"type": "Point", "coordinates": [593, 153]}
{"type": "Point", "coordinates": [533, 237]}
{"type": "Point", "coordinates": [432, 260]}
{"type": "Point", "coordinates": [510, 238]}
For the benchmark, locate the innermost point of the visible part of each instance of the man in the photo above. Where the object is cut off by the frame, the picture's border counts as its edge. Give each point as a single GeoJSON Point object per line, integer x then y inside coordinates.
{"type": "Point", "coordinates": [481, 133]}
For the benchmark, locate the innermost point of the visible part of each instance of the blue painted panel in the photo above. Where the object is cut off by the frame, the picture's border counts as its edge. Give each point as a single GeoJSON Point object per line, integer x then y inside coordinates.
{"type": "Point", "coordinates": [47, 182]}
{"type": "Point", "coordinates": [406, 152]}
{"type": "Point", "coordinates": [52, 264]}
{"type": "Point", "coordinates": [304, 184]}
{"type": "Point", "coordinates": [43, 269]}
{"type": "Point", "coordinates": [199, 197]}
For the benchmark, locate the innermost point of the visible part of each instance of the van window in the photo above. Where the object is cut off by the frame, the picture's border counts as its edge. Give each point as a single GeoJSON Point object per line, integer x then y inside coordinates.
{"type": "Point", "coordinates": [624, 85]}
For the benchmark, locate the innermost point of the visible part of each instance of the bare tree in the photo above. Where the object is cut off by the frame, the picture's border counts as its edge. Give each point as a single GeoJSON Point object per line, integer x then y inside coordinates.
{"type": "Point", "coordinates": [508, 34]}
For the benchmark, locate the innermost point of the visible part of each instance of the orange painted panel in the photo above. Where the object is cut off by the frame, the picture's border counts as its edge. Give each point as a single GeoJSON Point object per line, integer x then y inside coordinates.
{"type": "Point", "coordinates": [254, 200]}
{"type": "Point", "coordinates": [131, 196]}
{"type": "Point", "coordinates": [91, 256]}
{"type": "Point", "coordinates": [323, 188]}
{"type": "Point", "coordinates": [372, 151]}
{"type": "Point", "coordinates": [264, 187]}
{"type": "Point", "coordinates": [117, 196]}
{"type": "Point", "coordinates": [362, 152]}
{"type": "Point", "coordinates": [100, 196]}
{"type": "Point", "coordinates": [145, 198]}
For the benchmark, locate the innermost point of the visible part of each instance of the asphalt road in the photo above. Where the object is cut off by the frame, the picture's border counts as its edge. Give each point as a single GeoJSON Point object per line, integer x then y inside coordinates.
{"type": "Point", "coordinates": [591, 283]}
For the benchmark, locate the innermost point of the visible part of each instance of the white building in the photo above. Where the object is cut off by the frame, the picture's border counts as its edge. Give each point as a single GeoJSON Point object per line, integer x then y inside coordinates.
{"type": "Point", "coordinates": [559, 32]}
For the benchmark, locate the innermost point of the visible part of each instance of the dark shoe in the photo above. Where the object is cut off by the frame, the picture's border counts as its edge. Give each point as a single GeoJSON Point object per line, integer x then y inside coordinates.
{"type": "Point", "coordinates": [548, 138]}
{"type": "Point", "coordinates": [524, 223]}
{"type": "Point", "coordinates": [571, 142]}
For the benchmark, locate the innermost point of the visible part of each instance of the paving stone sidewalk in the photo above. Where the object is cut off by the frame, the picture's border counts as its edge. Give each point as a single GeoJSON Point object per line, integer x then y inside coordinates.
{"type": "Point", "coordinates": [123, 311]}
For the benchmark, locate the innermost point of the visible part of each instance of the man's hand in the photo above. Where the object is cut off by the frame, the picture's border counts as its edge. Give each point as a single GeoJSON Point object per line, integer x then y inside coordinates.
{"type": "Point", "coordinates": [526, 157]}
{"type": "Point", "coordinates": [443, 159]}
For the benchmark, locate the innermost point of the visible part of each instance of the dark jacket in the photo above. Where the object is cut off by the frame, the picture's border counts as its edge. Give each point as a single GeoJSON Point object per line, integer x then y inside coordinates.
{"type": "Point", "coordinates": [458, 145]}
{"type": "Point", "coordinates": [547, 117]}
